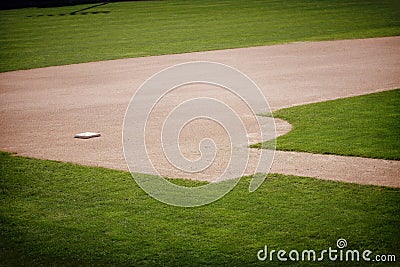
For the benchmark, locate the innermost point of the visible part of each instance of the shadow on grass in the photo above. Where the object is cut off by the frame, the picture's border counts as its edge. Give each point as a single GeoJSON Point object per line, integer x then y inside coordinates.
{"type": "Point", "coordinates": [78, 12]}
{"type": "Point", "coordinates": [102, 4]}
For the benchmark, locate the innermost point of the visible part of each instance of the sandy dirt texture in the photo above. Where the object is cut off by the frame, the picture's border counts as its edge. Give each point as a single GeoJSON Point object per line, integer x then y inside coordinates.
{"type": "Point", "coordinates": [42, 109]}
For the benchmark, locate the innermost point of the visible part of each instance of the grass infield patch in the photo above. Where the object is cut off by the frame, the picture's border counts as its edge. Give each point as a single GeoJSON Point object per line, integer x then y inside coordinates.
{"type": "Point", "coordinates": [56, 213]}
{"type": "Point", "coordinates": [365, 126]}
{"type": "Point", "coordinates": [40, 37]}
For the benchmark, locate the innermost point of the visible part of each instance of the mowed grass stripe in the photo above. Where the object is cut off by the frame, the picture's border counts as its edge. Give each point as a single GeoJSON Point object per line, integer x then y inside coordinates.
{"type": "Point", "coordinates": [39, 37]}
{"type": "Point", "coordinates": [365, 126]}
{"type": "Point", "coordinates": [55, 213]}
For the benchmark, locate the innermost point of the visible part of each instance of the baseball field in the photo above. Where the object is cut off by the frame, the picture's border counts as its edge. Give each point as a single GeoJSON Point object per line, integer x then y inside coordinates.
{"type": "Point", "coordinates": [329, 70]}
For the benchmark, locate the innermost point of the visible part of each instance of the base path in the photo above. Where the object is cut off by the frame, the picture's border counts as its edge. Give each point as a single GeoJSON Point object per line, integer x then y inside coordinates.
{"type": "Point", "coordinates": [338, 168]}
{"type": "Point", "coordinates": [42, 109]}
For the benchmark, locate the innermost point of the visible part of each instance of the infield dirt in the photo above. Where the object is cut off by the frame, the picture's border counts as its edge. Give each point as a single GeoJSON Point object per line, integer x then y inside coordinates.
{"type": "Point", "coordinates": [42, 109]}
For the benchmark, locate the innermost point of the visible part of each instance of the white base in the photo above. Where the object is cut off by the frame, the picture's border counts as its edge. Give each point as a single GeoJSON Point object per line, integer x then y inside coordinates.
{"type": "Point", "coordinates": [87, 135]}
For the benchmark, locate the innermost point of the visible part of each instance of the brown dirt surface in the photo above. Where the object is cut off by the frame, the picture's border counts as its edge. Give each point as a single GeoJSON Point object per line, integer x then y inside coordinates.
{"type": "Point", "coordinates": [42, 109]}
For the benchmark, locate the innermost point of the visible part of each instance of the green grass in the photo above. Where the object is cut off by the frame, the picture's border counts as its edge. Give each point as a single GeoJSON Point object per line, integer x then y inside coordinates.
{"type": "Point", "coordinates": [39, 37]}
{"type": "Point", "coordinates": [54, 213]}
{"type": "Point", "coordinates": [365, 126]}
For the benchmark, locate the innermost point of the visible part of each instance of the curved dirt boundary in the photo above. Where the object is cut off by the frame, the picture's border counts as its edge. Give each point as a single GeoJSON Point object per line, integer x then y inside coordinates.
{"type": "Point", "coordinates": [42, 109]}
{"type": "Point", "coordinates": [338, 168]}
{"type": "Point", "coordinates": [334, 167]}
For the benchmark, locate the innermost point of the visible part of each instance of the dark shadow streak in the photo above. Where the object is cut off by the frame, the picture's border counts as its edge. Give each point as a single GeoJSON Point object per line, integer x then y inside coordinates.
{"type": "Point", "coordinates": [86, 13]}
{"type": "Point", "coordinates": [102, 4]}
{"type": "Point", "coordinates": [71, 14]}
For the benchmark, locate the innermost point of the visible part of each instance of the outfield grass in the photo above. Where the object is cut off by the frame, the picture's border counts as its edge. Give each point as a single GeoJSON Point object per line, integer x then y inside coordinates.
{"type": "Point", "coordinates": [62, 214]}
{"type": "Point", "coordinates": [39, 37]}
{"type": "Point", "coordinates": [65, 214]}
{"type": "Point", "coordinates": [365, 126]}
